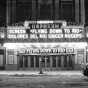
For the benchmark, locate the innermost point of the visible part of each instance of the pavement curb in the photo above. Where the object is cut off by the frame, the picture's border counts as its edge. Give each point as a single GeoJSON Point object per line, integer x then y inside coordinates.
{"type": "Point", "coordinates": [36, 73]}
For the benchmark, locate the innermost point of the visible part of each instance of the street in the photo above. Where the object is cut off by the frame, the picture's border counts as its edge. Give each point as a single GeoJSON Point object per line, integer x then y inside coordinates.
{"type": "Point", "coordinates": [43, 81]}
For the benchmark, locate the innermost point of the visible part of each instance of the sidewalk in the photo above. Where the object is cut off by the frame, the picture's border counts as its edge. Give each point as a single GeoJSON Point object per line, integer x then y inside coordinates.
{"type": "Point", "coordinates": [44, 73]}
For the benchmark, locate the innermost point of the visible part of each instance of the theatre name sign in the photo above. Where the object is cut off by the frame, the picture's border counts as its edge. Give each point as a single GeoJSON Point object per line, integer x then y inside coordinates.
{"type": "Point", "coordinates": [41, 31]}
{"type": "Point", "coordinates": [43, 51]}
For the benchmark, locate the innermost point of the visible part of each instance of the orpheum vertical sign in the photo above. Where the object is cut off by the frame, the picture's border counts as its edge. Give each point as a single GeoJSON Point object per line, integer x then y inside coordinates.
{"type": "Point", "coordinates": [46, 31]}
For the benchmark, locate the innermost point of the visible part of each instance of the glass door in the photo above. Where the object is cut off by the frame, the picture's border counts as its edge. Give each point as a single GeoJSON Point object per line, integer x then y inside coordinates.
{"type": "Point", "coordinates": [46, 62]}
{"type": "Point", "coordinates": [23, 62]}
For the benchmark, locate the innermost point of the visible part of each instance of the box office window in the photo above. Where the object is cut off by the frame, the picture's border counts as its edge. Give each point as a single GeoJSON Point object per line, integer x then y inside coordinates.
{"type": "Point", "coordinates": [11, 59]}
{"type": "Point", "coordinates": [80, 56]}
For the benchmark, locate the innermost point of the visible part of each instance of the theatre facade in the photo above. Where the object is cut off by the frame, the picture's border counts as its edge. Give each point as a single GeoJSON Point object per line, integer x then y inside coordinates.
{"type": "Point", "coordinates": [50, 33]}
{"type": "Point", "coordinates": [53, 43]}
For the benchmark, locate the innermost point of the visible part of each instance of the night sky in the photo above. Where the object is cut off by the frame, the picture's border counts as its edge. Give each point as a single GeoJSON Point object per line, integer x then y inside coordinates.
{"type": "Point", "coordinates": [86, 12]}
{"type": "Point", "coordinates": [3, 12]}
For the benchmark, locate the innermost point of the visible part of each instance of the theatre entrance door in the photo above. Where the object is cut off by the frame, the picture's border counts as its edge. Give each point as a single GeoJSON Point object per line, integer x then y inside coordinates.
{"type": "Point", "coordinates": [49, 62]}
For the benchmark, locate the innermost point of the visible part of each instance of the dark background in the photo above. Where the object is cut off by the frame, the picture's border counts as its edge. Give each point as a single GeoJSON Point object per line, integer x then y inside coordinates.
{"type": "Point", "coordinates": [22, 9]}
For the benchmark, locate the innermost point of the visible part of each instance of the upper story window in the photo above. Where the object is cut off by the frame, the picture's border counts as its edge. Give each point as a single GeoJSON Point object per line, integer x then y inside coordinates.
{"type": "Point", "coordinates": [45, 10]}
{"type": "Point", "coordinates": [67, 10]}
{"type": "Point", "coordinates": [23, 10]}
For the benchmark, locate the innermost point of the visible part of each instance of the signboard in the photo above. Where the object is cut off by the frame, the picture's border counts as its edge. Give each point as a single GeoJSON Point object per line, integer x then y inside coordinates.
{"type": "Point", "coordinates": [47, 51]}
{"type": "Point", "coordinates": [46, 32]}
{"type": "Point", "coordinates": [72, 33]}
{"type": "Point", "coordinates": [2, 32]}
{"type": "Point", "coordinates": [16, 33]}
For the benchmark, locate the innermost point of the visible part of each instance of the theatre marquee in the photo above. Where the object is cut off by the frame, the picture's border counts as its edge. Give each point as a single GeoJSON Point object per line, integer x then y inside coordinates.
{"type": "Point", "coordinates": [46, 31]}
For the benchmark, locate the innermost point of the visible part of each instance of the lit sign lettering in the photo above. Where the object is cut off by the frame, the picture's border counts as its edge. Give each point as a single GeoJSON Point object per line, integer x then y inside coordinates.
{"type": "Point", "coordinates": [44, 50]}
{"type": "Point", "coordinates": [45, 31]}
{"type": "Point", "coordinates": [56, 33]}
{"type": "Point", "coordinates": [44, 26]}
{"type": "Point", "coordinates": [16, 33]}
{"type": "Point", "coordinates": [20, 36]}
{"type": "Point", "coordinates": [55, 36]}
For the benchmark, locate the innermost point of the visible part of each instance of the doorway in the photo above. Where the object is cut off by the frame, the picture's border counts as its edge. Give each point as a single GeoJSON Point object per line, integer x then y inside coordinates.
{"type": "Point", "coordinates": [49, 62]}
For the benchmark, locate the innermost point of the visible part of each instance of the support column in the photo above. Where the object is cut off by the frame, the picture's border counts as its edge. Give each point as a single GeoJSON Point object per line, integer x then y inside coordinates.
{"type": "Point", "coordinates": [51, 62]}
{"type": "Point", "coordinates": [68, 60]}
{"type": "Point", "coordinates": [33, 9]}
{"type": "Point", "coordinates": [82, 11]}
{"type": "Point", "coordinates": [45, 62]}
{"type": "Point", "coordinates": [6, 57]}
{"type": "Point", "coordinates": [8, 12]}
{"type": "Point", "coordinates": [77, 11]}
{"type": "Point", "coordinates": [34, 61]}
{"type": "Point", "coordinates": [40, 58]}
{"type": "Point", "coordinates": [85, 61]}
{"type": "Point", "coordinates": [56, 61]}
{"type": "Point", "coordinates": [62, 61]}
{"type": "Point", "coordinates": [56, 9]}
{"type": "Point", "coordinates": [13, 11]}
{"type": "Point", "coordinates": [75, 61]}
{"type": "Point", "coordinates": [18, 57]}
{"type": "Point", "coordinates": [51, 5]}
{"type": "Point", "coordinates": [23, 62]}
{"type": "Point", "coordinates": [39, 1]}
{"type": "Point", "coordinates": [29, 61]}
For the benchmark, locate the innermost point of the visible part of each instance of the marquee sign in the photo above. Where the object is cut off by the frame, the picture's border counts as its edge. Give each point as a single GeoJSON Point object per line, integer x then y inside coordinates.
{"type": "Point", "coordinates": [16, 33]}
{"type": "Point", "coordinates": [2, 32]}
{"type": "Point", "coordinates": [45, 31]}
